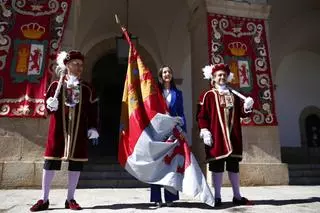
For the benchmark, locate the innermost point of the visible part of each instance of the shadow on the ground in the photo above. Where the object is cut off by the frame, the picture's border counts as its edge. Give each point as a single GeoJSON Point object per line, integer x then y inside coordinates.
{"type": "Point", "coordinates": [286, 202]}
{"type": "Point", "coordinates": [205, 206]}
{"type": "Point", "coordinates": [151, 206]}
{"type": "Point", "coordinates": [227, 205]}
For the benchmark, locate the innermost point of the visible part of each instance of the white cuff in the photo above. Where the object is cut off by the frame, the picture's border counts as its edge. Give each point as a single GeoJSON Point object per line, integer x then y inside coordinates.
{"type": "Point", "coordinates": [204, 132]}
{"type": "Point", "coordinates": [93, 133]}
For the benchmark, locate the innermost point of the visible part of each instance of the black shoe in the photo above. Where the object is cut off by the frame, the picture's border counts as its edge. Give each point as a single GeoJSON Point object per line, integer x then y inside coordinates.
{"type": "Point", "coordinates": [158, 204]}
{"type": "Point", "coordinates": [217, 202]}
{"type": "Point", "coordinates": [241, 202]}
{"type": "Point", "coordinates": [40, 206]}
{"type": "Point", "coordinates": [169, 204]}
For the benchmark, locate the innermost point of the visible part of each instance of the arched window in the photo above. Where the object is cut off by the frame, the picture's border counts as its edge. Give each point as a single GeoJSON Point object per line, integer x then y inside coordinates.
{"type": "Point", "coordinates": [310, 127]}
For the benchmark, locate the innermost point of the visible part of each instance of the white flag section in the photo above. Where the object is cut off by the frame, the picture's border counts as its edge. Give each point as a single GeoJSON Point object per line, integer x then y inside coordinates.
{"type": "Point", "coordinates": [157, 159]}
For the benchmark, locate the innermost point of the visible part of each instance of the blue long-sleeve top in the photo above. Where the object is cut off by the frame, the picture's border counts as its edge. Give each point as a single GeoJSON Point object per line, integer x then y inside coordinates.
{"type": "Point", "coordinates": [176, 105]}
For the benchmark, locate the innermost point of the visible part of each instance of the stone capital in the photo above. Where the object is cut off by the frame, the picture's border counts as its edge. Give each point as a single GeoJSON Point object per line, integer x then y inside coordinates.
{"type": "Point", "coordinates": [199, 10]}
{"type": "Point", "coordinates": [241, 9]}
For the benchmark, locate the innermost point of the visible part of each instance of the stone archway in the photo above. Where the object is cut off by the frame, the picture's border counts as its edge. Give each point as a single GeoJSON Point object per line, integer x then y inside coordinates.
{"type": "Point", "coordinates": [100, 48]}
{"type": "Point", "coordinates": [95, 53]}
{"type": "Point", "coordinates": [107, 76]}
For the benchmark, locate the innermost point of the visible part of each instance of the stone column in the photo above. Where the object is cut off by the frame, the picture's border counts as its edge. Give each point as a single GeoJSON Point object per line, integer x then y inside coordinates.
{"type": "Point", "coordinates": [261, 164]}
{"type": "Point", "coordinates": [70, 33]}
{"type": "Point", "coordinates": [199, 57]}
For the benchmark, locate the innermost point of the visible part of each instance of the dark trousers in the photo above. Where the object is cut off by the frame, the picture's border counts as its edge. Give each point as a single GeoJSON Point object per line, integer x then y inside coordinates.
{"type": "Point", "coordinates": [56, 165]}
{"type": "Point", "coordinates": [156, 194]}
{"type": "Point", "coordinates": [232, 165]}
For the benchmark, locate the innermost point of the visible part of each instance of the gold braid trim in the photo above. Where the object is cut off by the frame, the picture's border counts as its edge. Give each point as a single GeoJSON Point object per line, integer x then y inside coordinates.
{"type": "Point", "coordinates": [77, 124]}
{"type": "Point", "coordinates": [70, 131]}
{"type": "Point", "coordinates": [64, 122]}
{"type": "Point", "coordinates": [232, 119]}
{"type": "Point", "coordinates": [204, 96]}
{"type": "Point", "coordinates": [226, 138]}
{"type": "Point", "coordinates": [70, 136]}
{"type": "Point", "coordinates": [236, 156]}
{"type": "Point", "coordinates": [220, 157]}
{"type": "Point", "coordinates": [226, 124]}
{"type": "Point", "coordinates": [90, 91]}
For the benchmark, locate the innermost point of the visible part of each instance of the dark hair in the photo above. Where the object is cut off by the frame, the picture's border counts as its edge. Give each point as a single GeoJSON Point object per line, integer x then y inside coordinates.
{"type": "Point", "coordinates": [160, 80]}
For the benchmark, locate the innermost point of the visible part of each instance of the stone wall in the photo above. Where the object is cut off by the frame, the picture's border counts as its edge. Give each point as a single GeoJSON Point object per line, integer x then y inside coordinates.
{"type": "Point", "coordinates": [22, 143]}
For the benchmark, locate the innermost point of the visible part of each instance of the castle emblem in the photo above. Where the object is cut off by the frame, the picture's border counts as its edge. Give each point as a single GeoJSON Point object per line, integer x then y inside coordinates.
{"type": "Point", "coordinates": [29, 54]}
{"type": "Point", "coordinates": [240, 66]}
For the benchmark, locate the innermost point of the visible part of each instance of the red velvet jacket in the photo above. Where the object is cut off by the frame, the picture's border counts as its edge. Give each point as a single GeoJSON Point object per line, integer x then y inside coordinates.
{"type": "Point", "coordinates": [67, 135]}
{"type": "Point", "coordinates": [224, 125]}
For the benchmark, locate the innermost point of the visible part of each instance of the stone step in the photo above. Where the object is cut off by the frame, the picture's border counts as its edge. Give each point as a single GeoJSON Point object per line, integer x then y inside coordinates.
{"type": "Point", "coordinates": [305, 173]}
{"type": "Point", "coordinates": [120, 183]}
{"type": "Point", "coordinates": [304, 181]}
{"type": "Point", "coordinates": [303, 167]}
{"type": "Point", "coordinates": [97, 167]}
{"type": "Point", "coordinates": [107, 160]}
{"type": "Point", "coordinates": [85, 175]}
{"type": "Point", "coordinates": [107, 173]}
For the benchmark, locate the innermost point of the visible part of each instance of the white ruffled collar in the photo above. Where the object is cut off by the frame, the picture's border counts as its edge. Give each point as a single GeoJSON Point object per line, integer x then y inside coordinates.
{"type": "Point", "coordinates": [222, 89]}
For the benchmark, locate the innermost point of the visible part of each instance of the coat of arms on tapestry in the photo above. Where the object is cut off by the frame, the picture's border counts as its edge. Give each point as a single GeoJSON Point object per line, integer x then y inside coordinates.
{"type": "Point", "coordinates": [242, 44]}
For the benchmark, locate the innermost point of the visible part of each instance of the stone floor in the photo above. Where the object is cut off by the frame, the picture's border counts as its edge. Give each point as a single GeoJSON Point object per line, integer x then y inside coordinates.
{"type": "Point", "coordinates": [268, 199]}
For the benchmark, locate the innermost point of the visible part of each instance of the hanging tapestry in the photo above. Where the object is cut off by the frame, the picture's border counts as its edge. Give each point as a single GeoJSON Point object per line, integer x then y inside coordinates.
{"type": "Point", "coordinates": [242, 44]}
{"type": "Point", "coordinates": [30, 36]}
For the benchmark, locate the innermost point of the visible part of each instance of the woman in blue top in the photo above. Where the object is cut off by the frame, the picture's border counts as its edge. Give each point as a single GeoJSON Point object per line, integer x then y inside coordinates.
{"type": "Point", "coordinates": [174, 100]}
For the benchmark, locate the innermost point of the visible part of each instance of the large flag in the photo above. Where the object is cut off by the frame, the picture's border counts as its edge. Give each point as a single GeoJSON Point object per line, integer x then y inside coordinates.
{"type": "Point", "coordinates": [152, 147]}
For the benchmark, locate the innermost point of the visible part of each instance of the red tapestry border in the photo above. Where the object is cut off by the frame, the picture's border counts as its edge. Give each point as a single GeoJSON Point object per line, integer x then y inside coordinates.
{"type": "Point", "coordinates": [30, 38]}
{"type": "Point", "coordinates": [242, 43]}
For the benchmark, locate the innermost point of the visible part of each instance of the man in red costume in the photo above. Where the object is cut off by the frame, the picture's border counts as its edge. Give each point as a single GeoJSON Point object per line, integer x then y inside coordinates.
{"type": "Point", "coordinates": [72, 106]}
{"type": "Point", "coordinates": [218, 118]}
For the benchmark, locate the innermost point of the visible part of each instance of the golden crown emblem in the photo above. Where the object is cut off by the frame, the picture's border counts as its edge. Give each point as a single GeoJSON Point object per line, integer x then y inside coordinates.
{"type": "Point", "coordinates": [237, 48]}
{"type": "Point", "coordinates": [32, 30]}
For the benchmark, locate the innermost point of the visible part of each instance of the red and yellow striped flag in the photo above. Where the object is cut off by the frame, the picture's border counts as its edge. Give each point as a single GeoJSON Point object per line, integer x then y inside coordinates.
{"type": "Point", "coordinates": [141, 101]}
{"type": "Point", "coordinates": [152, 147]}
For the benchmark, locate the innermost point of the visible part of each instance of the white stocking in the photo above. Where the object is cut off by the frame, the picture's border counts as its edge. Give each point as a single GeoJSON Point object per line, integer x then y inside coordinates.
{"type": "Point", "coordinates": [47, 177]}
{"type": "Point", "coordinates": [72, 184]}
{"type": "Point", "coordinates": [235, 182]}
{"type": "Point", "coordinates": [217, 179]}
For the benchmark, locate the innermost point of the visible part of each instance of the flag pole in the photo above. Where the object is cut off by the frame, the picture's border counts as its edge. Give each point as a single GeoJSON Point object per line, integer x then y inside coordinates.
{"type": "Point", "coordinates": [237, 93]}
{"type": "Point", "coordinates": [123, 29]}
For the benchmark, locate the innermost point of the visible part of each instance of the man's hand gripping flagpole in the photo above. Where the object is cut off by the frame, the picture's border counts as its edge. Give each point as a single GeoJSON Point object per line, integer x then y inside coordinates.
{"type": "Point", "coordinates": [52, 102]}
{"type": "Point", "coordinates": [248, 101]}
